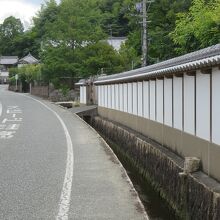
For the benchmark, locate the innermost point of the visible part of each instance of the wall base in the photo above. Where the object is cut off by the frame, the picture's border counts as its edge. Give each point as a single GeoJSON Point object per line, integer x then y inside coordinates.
{"type": "Point", "coordinates": [192, 196]}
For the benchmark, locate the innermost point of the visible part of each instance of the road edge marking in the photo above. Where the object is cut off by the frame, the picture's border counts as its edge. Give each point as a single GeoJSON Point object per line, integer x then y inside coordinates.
{"type": "Point", "coordinates": [67, 184]}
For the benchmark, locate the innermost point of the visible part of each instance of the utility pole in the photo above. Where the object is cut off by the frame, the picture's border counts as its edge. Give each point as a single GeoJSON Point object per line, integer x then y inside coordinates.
{"type": "Point", "coordinates": [144, 44]}
{"type": "Point", "coordinates": [145, 8]}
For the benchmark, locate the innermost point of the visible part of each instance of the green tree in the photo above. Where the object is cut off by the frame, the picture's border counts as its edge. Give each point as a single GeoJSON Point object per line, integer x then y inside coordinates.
{"type": "Point", "coordinates": [26, 74]}
{"type": "Point", "coordinates": [77, 26]}
{"type": "Point", "coordinates": [162, 16]}
{"type": "Point", "coordinates": [10, 32]}
{"type": "Point", "coordinates": [15, 41]}
{"type": "Point", "coordinates": [101, 58]}
{"type": "Point", "coordinates": [198, 28]}
{"type": "Point", "coordinates": [114, 22]}
{"type": "Point", "coordinates": [47, 15]}
{"type": "Point", "coordinates": [129, 58]}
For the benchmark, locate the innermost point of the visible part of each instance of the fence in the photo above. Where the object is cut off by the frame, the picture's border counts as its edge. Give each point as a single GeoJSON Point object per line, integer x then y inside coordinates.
{"type": "Point", "coordinates": [175, 102]}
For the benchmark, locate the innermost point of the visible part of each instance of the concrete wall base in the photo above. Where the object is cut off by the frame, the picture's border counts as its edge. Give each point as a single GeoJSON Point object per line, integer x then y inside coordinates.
{"type": "Point", "coordinates": [182, 143]}
{"type": "Point", "coordinates": [192, 195]}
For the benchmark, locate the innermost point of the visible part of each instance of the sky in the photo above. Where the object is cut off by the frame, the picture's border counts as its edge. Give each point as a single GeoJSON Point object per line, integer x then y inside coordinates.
{"type": "Point", "coordinates": [23, 9]}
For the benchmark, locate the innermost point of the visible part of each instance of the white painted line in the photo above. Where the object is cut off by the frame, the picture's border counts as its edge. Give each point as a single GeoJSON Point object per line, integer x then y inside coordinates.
{"type": "Point", "coordinates": [67, 184]}
{"type": "Point", "coordinates": [0, 109]}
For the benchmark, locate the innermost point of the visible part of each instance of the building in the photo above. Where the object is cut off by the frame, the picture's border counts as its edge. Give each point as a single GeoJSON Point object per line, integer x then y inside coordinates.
{"type": "Point", "coordinates": [6, 62]}
{"type": "Point", "coordinates": [29, 59]}
{"type": "Point", "coordinates": [116, 42]}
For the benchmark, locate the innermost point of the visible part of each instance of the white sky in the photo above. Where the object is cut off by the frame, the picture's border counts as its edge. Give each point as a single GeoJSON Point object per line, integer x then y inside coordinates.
{"type": "Point", "coordinates": [23, 9]}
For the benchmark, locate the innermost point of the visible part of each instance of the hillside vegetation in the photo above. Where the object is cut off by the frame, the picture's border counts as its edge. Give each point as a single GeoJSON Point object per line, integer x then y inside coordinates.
{"type": "Point", "coordinates": [69, 38]}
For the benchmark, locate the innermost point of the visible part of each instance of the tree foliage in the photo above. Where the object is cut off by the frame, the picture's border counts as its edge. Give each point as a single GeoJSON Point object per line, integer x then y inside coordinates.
{"type": "Point", "coordinates": [11, 32]}
{"type": "Point", "coordinates": [70, 37]}
{"type": "Point", "coordinates": [198, 28]}
{"type": "Point", "coordinates": [77, 27]}
{"type": "Point", "coordinates": [26, 73]}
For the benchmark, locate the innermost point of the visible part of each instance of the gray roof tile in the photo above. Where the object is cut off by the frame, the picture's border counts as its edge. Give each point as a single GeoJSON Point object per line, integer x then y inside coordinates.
{"type": "Point", "coordinates": [29, 59]}
{"type": "Point", "coordinates": [201, 58]}
{"type": "Point", "coordinates": [8, 60]}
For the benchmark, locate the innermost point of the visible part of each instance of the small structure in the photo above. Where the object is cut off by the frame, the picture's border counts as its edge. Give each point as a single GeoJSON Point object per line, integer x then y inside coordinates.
{"type": "Point", "coordinates": [6, 62]}
{"type": "Point", "coordinates": [116, 42]}
{"type": "Point", "coordinates": [29, 59]}
{"type": "Point", "coordinates": [88, 92]}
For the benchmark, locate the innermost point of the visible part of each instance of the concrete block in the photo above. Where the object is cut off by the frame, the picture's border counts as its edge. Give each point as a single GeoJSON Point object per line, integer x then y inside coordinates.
{"type": "Point", "coordinates": [191, 164]}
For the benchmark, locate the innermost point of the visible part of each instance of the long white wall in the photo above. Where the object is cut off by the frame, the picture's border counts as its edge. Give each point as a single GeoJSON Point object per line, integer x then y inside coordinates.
{"type": "Point", "coordinates": [152, 101]}
{"type": "Point", "coordinates": [190, 102]}
{"type": "Point", "coordinates": [159, 100]}
{"type": "Point", "coordinates": [178, 103]}
{"type": "Point", "coordinates": [215, 110]}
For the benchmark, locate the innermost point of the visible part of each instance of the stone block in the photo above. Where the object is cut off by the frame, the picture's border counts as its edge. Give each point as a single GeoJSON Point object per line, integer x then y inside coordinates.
{"type": "Point", "coordinates": [191, 164]}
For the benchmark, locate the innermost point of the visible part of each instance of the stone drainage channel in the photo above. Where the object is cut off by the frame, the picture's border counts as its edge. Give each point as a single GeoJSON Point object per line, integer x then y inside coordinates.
{"type": "Point", "coordinates": [156, 207]}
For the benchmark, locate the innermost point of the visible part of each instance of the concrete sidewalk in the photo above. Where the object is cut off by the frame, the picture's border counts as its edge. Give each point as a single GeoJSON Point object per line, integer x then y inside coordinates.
{"type": "Point", "coordinates": [101, 188]}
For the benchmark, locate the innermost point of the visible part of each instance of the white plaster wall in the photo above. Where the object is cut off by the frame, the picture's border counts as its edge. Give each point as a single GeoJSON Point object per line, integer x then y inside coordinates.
{"type": "Point", "coordinates": [203, 105]}
{"type": "Point", "coordinates": [152, 99]}
{"type": "Point", "coordinates": [168, 102]}
{"type": "Point", "coordinates": [117, 97]}
{"type": "Point", "coordinates": [103, 96]}
{"type": "Point", "coordinates": [106, 95]}
{"type": "Point", "coordinates": [109, 97]}
{"type": "Point", "coordinates": [98, 95]}
{"type": "Point", "coordinates": [116, 43]}
{"type": "Point", "coordinates": [178, 102]}
{"type": "Point", "coordinates": [140, 98]}
{"type": "Point", "coordinates": [159, 100]}
{"type": "Point", "coordinates": [85, 95]}
{"type": "Point", "coordinates": [121, 102]}
{"type": "Point", "coordinates": [125, 98]}
{"type": "Point", "coordinates": [130, 98]}
{"type": "Point", "coordinates": [81, 94]}
{"type": "Point", "coordinates": [135, 100]}
{"type": "Point", "coordinates": [146, 98]}
{"type": "Point", "coordinates": [189, 104]}
{"type": "Point", "coordinates": [216, 105]}
{"type": "Point", "coordinates": [113, 96]}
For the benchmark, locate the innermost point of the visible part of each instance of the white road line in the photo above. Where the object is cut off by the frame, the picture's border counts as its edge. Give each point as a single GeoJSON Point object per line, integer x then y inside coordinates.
{"type": "Point", "coordinates": [0, 109]}
{"type": "Point", "coordinates": [67, 184]}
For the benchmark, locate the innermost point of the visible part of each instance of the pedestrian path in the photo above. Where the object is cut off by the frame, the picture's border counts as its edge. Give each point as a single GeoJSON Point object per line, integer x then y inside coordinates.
{"type": "Point", "coordinates": [101, 187]}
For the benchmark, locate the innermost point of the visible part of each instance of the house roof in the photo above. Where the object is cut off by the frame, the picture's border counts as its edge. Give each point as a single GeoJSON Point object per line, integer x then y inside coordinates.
{"type": "Point", "coordinates": [29, 59]}
{"type": "Point", "coordinates": [8, 60]}
{"type": "Point", "coordinates": [202, 58]}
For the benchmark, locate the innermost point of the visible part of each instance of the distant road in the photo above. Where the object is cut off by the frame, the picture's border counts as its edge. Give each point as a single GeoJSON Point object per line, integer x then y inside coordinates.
{"type": "Point", "coordinates": [53, 166]}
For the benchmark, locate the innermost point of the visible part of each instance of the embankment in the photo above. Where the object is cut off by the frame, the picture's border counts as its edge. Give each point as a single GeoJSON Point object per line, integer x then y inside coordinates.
{"type": "Point", "coordinates": [191, 195]}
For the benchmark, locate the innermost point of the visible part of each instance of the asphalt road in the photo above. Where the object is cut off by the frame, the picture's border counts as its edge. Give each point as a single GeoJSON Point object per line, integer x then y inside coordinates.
{"type": "Point", "coordinates": [54, 166]}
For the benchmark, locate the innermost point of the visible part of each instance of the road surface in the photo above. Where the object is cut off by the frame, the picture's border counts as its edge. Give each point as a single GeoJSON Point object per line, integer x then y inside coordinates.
{"type": "Point", "coordinates": [54, 166]}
